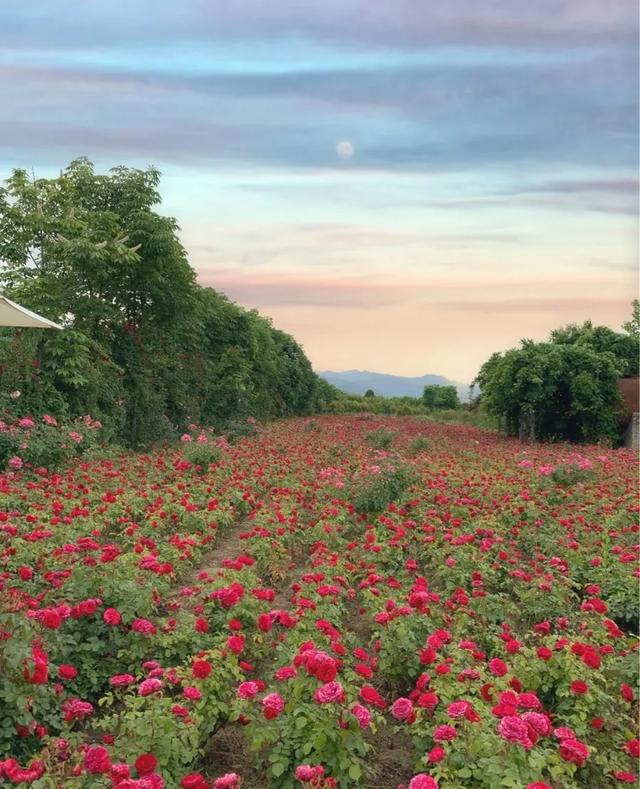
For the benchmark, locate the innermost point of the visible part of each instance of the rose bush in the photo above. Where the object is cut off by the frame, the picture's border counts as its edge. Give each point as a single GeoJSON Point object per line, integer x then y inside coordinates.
{"type": "Point", "coordinates": [323, 603]}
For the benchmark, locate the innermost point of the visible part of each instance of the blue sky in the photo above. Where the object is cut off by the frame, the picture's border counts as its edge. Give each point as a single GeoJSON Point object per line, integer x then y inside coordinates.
{"type": "Point", "coordinates": [492, 188]}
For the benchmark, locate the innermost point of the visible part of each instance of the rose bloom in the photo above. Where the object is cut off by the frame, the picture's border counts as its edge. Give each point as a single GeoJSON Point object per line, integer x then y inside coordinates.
{"type": "Point", "coordinates": [201, 669]}
{"type": "Point", "coordinates": [423, 781]}
{"type": "Point", "coordinates": [428, 700]}
{"type": "Point", "coordinates": [76, 709]}
{"type": "Point", "coordinates": [112, 617]}
{"type": "Point", "coordinates": [236, 644]}
{"type": "Point", "coordinates": [625, 777]}
{"type": "Point", "coordinates": [578, 687]}
{"type": "Point", "coordinates": [51, 619]}
{"type": "Point", "coordinates": [194, 781]}
{"type": "Point", "coordinates": [96, 760]}
{"type": "Point", "coordinates": [362, 715]}
{"type": "Point", "coordinates": [272, 705]}
{"type": "Point", "coordinates": [286, 672]}
{"type": "Point", "coordinates": [146, 763]}
{"type": "Point", "coordinates": [371, 696]}
{"type": "Point", "coordinates": [498, 667]}
{"type": "Point", "coordinates": [626, 692]}
{"type": "Point", "coordinates": [538, 722]}
{"type": "Point", "coordinates": [191, 693]}
{"type": "Point", "coordinates": [633, 748]}
{"type": "Point", "coordinates": [143, 626]}
{"type": "Point", "coordinates": [329, 692]}
{"type": "Point", "coordinates": [402, 708]}
{"type": "Point", "coordinates": [529, 700]}
{"type": "Point", "coordinates": [307, 772]}
{"type": "Point", "coordinates": [65, 671]}
{"type": "Point", "coordinates": [149, 686]}
{"type": "Point", "coordinates": [458, 709]}
{"type": "Point", "coordinates": [574, 751]}
{"type": "Point", "coordinates": [265, 622]}
{"type": "Point", "coordinates": [513, 729]}
{"type": "Point", "coordinates": [227, 781]}
{"type": "Point", "coordinates": [436, 755]}
{"type": "Point", "coordinates": [120, 680]}
{"type": "Point", "coordinates": [201, 625]}
{"type": "Point", "coordinates": [247, 690]}
{"type": "Point", "coordinates": [444, 732]}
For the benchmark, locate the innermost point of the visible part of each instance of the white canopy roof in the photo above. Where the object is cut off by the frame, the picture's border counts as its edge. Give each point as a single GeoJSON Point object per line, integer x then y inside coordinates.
{"type": "Point", "coordinates": [12, 314]}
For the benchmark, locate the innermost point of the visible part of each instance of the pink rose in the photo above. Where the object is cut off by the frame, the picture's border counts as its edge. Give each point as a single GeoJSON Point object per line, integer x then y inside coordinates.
{"type": "Point", "coordinates": [149, 686]}
{"type": "Point", "coordinates": [423, 781]}
{"type": "Point", "coordinates": [247, 690]}
{"type": "Point", "coordinates": [362, 715]}
{"type": "Point", "coordinates": [329, 692]}
{"type": "Point", "coordinates": [402, 708]}
{"type": "Point", "coordinates": [444, 732]}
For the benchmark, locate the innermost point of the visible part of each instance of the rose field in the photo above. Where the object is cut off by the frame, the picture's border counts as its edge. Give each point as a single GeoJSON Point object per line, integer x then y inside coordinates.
{"type": "Point", "coordinates": [329, 602]}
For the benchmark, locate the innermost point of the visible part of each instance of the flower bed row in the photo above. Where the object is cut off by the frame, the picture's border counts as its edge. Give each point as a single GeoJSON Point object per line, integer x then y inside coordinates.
{"type": "Point", "coordinates": [446, 588]}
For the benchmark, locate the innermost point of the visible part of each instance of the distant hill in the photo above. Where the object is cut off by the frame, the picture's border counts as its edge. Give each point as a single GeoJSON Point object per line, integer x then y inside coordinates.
{"type": "Point", "coordinates": [358, 381]}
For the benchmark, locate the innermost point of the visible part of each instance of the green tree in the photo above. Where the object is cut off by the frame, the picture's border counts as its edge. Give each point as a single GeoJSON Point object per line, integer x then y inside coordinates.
{"type": "Point", "coordinates": [570, 389]}
{"type": "Point", "coordinates": [632, 326]}
{"type": "Point", "coordinates": [624, 347]}
{"type": "Point", "coordinates": [369, 393]}
{"type": "Point", "coordinates": [146, 349]}
{"type": "Point", "coordinates": [435, 397]}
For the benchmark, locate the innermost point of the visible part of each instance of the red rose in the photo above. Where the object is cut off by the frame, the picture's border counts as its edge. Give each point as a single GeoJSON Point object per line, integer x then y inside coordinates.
{"type": "Point", "coordinates": [193, 781]}
{"type": "Point", "coordinates": [146, 763]}
{"type": "Point", "coordinates": [202, 626]}
{"type": "Point", "coordinates": [96, 760]}
{"type": "Point", "coordinates": [51, 619]}
{"type": "Point", "coordinates": [626, 692]}
{"type": "Point", "coordinates": [236, 644]}
{"type": "Point", "coordinates": [498, 667]}
{"type": "Point", "coordinates": [201, 669]}
{"type": "Point", "coordinates": [579, 687]}
{"type": "Point", "coordinates": [264, 623]}
{"type": "Point", "coordinates": [371, 696]}
{"type": "Point", "coordinates": [633, 748]}
{"type": "Point", "coordinates": [627, 778]}
{"type": "Point", "coordinates": [65, 671]}
{"type": "Point", "coordinates": [112, 617]}
{"type": "Point", "coordinates": [436, 755]}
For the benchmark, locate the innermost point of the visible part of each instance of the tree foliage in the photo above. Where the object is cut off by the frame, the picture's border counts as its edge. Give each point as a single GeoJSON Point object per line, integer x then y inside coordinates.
{"type": "Point", "coordinates": [146, 349]}
{"type": "Point", "coordinates": [436, 397]}
{"type": "Point", "coordinates": [632, 326]}
{"type": "Point", "coordinates": [624, 347]}
{"type": "Point", "coordinates": [568, 385]}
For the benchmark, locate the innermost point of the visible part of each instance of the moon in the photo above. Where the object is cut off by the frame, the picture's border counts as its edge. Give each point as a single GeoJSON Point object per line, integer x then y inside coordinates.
{"type": "Point", "coordinates": [345, 149]}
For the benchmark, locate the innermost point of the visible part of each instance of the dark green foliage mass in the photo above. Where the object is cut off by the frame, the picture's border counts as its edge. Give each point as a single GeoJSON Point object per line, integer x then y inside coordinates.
{"type": "Point", "coordinates": [436, 397]}
{"type": "Point", "coordinates": [146, 349]}
{"type": "Point", "coordinates": [567, 386]}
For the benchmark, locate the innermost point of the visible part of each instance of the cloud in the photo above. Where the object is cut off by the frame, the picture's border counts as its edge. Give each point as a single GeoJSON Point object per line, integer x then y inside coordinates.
{"type": "Point", "coordinates": [490, 137]}
{"type": "Point", "coordinates": [520, 306]}
{"type": "Point", "coordinates": [416, 87]}
{"type": "Point", "coordinates": [290, 289]}
{"type": "Point", "coordinates": [458, 293]}
{"type": "Point", "coordinates": [350, 22]}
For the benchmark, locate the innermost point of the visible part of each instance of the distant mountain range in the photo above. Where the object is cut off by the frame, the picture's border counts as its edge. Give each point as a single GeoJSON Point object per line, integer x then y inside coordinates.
{"type": "Point", "coordinates": [358, 381]}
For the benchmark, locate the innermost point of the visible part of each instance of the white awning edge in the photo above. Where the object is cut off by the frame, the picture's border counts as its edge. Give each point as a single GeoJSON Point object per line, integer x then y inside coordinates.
{"type": "Point", "coordinates": [12, 314]}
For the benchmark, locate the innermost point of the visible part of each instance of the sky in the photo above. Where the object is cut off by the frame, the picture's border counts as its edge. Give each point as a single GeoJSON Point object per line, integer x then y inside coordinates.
{"type": "Point", "coordinates": [404, 186]}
